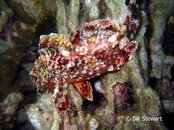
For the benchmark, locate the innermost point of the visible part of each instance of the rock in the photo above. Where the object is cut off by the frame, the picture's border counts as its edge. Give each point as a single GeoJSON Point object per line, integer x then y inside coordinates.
{"type": "Point", "coordinates": [33, 11]}
{"type": "Point", "coordinates": [168, 106]}
{"type": "Point", "coordinates": [10, 104]}
{"type": "Point", "coordinates": [28, 66]}
{"type": "Point", "coordinates": [40, 114]}
{"type": "Point", "coordinates": [4, 46]}
{"type": "Point", "coordinates": [18, 34]}
{"type": "Point", "coordinates": [93, 124]}
{"type": "Point", "coordinates": [8, 109]}
{"type": "Point", "coordinates": [21, 116]}
{"type": "Point", "coordinates": [6, 14]}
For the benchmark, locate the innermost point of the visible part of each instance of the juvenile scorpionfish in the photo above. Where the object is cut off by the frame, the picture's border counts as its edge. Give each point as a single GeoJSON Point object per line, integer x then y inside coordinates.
{"type": "Point", "coordinates": [95, 48]}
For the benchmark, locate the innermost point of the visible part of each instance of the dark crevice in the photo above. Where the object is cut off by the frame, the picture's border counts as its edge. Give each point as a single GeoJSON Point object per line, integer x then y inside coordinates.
{"type": "Point", "coordinates": [148, 32]}
{"type": "Point", "coordinates": [25, 125]}
{"type": "Point", "coordinates": [66, 2]}
{"type": "Point", "coordinates": [127, 2]}
{"type": "Point", "coordinates": [91, 106]}
{"type": "Point", "coordinates": [17, 76]}
{"type": "Point", "coordinates": [168, 37]}
{"type": "Point", "coordinates": [102, 9]}
{"type": "Point", "coordinates": [81, 11]}
{"type": "Point", "coordinates": [148, 35]}
{"type": "Point", "coordinates": [172, 77]}
{"type": "Point", "coordinates": [139, 2]}
{"type": "Point", "coordinates": [98, 100]}
{"type": "Point", "coordinates": [45, 27]}
{"type": "Point", "coordinates": [172, 73]}
{"type": "Point", "coordinates": [167, 119]}
{"type": "Point", "coordinates": [153, 82]}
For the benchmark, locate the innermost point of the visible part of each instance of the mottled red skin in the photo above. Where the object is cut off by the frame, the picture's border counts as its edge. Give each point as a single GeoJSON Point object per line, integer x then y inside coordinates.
{"type": "Point", "coordinates": [108, 54]}
{"type": "Point", "coordinates": [97, 47]}
{"type": "Point", "coordinates": [51, 85]}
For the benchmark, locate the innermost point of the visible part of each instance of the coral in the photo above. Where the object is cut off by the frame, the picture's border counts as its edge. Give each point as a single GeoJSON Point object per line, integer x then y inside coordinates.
{"type": "Point", "coordinates": [116, 95]}
{"type": "Point", "coordinates": [41, 113]}
{"type": "Point", "coordinates": [162, 59]}
{"type": "Point", "coordinates": [168, 105]}
{"type": "Point", "coordinates": [61, 18]}
{"type": "Point", "coordinates": [117, 8]}
{"type": "Point", "coordinates": [142, 87]}
{"type": "Point", "coordinates": [122, 94]}
{"type": "Point", "coordinates": [158, 13]}
{"type": "Point", "coordinates": [4, 46]}
{"type": "Point", "coordinates": [17, 34]}
{"type": "Point", "coordinates": [34, 11]}
{"type": "Point", "coordinates": [6, 13]}
{"type": "Point", "coordinates": [8, 109]}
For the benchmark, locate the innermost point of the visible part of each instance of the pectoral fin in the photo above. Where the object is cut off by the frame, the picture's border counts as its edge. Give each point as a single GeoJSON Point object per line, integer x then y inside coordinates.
{"type": "Point", "coordinates": [85, 89]}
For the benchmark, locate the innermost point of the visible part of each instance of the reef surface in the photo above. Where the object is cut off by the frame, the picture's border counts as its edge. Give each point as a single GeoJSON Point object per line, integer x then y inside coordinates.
{"type": "Point", "coordinates": [125, 100]}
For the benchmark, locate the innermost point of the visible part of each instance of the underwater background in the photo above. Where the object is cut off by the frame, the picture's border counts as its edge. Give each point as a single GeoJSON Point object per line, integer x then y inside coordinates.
{"type": "Point", "coordinates": [140, 96]}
